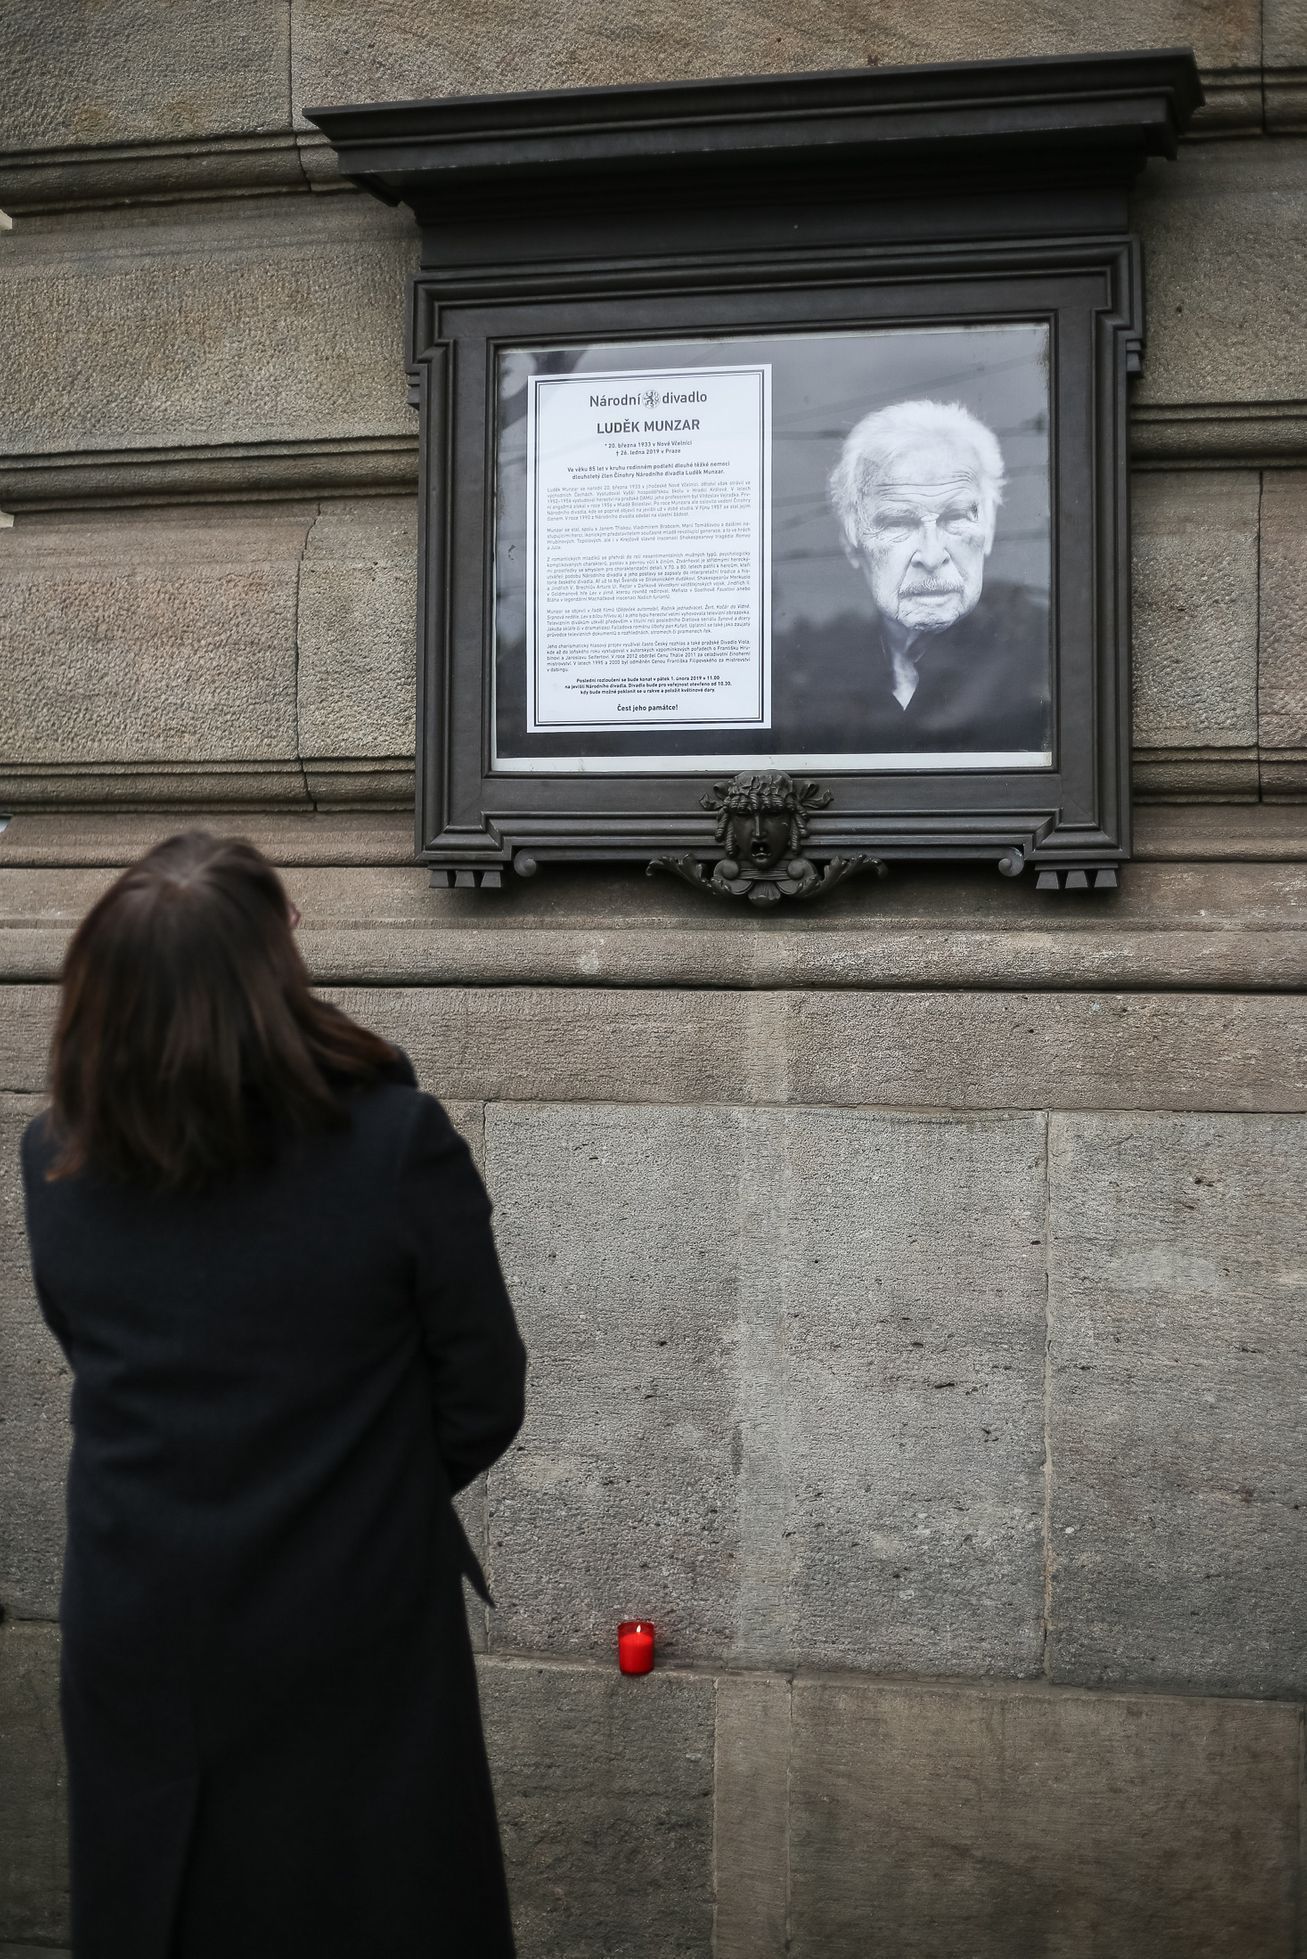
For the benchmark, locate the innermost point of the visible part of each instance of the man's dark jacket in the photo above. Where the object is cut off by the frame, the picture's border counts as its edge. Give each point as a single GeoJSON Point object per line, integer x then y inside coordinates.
{"type": "Point", "coordinates": [269, 1699]}
{"type": "Point", "coordinates": [981, 685]}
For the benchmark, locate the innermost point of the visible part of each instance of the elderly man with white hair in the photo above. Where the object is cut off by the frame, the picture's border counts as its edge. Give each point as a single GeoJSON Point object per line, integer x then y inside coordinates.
{"type": "Point", "coordinates": [951, 667]}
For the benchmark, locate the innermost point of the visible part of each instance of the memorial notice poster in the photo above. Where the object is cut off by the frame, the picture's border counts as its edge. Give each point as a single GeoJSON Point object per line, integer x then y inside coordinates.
{"type": "Point", "coordinates": [826, 551]}
{"type": "Point", "coordinates": [648, 550]}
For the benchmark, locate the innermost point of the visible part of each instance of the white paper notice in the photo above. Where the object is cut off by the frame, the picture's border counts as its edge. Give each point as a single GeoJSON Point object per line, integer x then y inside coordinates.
{"type": "Point", "coordinates": [649, 550]}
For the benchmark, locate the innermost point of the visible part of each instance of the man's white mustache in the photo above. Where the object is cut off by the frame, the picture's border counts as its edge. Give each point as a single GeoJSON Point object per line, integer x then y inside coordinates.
{"type": "Point", "coordinates": [929, 591]}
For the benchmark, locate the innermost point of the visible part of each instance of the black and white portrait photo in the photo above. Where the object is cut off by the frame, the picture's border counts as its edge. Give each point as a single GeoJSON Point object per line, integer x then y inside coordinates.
{"type": "Point", "coordinates": [829, 550]}
{"type": "Point", "coordinates": [911, 622]}
{"type": "Point", "coordinates": [955, 660]}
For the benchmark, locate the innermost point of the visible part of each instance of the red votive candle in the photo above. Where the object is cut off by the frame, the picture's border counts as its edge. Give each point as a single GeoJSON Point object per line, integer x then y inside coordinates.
{"type": "Point", "coordinates": [635, 1646]}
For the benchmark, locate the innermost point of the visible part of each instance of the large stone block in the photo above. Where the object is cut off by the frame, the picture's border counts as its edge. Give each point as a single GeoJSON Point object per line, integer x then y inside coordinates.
{"type": "Point", "coordinates": [400, 49]}
{"type": "Point", "coordinates": [755, 1414]}
{"type": "Point", "coordinates": [34, 1384]}
{"type": "Point", "coordinates": [1227, 282]}
{"type": "Point", "coordinates": [140, 636]}
{"type": "Point", "coordinates": [604, 1790]}
{"type": "Point", "coordinates": [33, 1824]}
{"type": "Point", "coordinates": [892, 1488]}
{"type": "Point", "coordinates": [843, 1048]}
{"type": "Point", "coordinates": [26, 1024]}
{"type": "Point", "coordinates": [995, 1822]}
{"type": "Point", "coordinates": [523, 1044]}
{"type": "Point", "coordinates": [1194, 542]}
{"type": "Point", "coordinates": [891, 1049]}
{"type": "Point", "coordinates": [1283, 671]}
{"type": "Point", "coordinates": [260, 320]}
{"type": "Point", "coordinates": [751, 1820]}
{"type": "Point", "coordinates": [1178, 1342]}
{"type": "Point", "coordinates": [619, 1233]}
{"type": "Point", "coordinates": [1046, 1050]}
{"type": "Point", "coordinates": [358, 603]}
{"type": "Point", "coordinates": [1284, 50]}
{"type": "Point", "coordinates": [82, 73]}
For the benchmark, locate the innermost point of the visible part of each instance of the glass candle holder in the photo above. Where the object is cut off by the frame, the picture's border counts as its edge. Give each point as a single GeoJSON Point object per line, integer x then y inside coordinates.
{"type": "Point", "coordinates": [635, 1646]}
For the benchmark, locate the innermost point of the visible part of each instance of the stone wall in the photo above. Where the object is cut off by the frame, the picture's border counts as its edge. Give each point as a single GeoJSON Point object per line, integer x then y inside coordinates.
{"type": "Point", "coordinates": [916, 1290]}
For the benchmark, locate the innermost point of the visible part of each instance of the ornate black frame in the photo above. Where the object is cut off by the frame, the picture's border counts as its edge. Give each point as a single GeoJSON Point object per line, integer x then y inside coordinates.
{"type": "Point", "coordinates": [960, 193]}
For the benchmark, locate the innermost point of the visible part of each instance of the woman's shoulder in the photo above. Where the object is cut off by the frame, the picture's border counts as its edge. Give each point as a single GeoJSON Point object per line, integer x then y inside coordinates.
{"type": "Point", "coordinates": [415, 1123]}
{"type": "Point", "coordinates": [46, 1197]}
{"type": "Point", "coordinates": [402, 1141]}
{"type": "Point", "coordinates": [36, 1148]}
{"type": "Point", "coordinates": [384, 1101]}
{"type": "Point", "coordinates": [401, 1072]}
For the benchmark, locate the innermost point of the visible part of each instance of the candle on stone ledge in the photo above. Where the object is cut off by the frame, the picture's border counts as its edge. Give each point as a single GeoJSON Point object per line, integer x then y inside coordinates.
{"type": "Point", "coordinates": [635, 1646]}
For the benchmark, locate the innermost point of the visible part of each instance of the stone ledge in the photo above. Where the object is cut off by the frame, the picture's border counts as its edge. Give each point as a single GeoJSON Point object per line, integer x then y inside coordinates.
{"type": "Point", "coordinates": [1223, 926]}
{"type": "Point", "coordinates": [1179, 832]}
{"type": "Point", "coordinates": [86, 791]}
{"type": "Point", "coordinates": [1170, 435]}
{"type": "Point", "coordinates": [218, 785]}
{"type": "Point", "coordinates": [1213, 775]}
{"type": "Point", "coordinates": [167, 171]}
{"type": "Point", "coordinates": [37, 838]}
{"type": "Point", "coordinates": [359, 783]}
{"type": "Point", "coordinates": [1284, 776]}
{"type": "Point", "coordinates": [1209, 434]}
{"type": "Point", "coordinates": [1285, 93]}
{"type": "Point", "coordinates": [877, 958]}
{"type": "Point", "coordinates": [237, 471]}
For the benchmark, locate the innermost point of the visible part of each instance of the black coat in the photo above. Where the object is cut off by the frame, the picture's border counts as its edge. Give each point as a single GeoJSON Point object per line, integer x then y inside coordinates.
{"type": "Point", "coordinates": [982, 685]}
{"type": "Point", "coordinates": [269, 1699]}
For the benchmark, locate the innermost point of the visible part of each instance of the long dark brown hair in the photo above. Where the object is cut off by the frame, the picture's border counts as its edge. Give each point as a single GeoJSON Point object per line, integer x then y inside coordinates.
{"type": "Point", "coordinates": [188, 1040]}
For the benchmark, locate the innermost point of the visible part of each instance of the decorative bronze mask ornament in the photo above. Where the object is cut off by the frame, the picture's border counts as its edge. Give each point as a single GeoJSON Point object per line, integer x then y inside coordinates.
{"type": "Point", "coordinates": [762, 821]}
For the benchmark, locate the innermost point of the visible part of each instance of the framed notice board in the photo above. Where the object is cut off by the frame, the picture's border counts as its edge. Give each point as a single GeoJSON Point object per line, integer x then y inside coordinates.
{"type": "Point", "coordinates": [774, 496]}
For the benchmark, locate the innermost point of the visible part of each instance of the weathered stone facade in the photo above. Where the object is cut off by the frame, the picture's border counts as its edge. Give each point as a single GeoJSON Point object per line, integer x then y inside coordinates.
{"type": "Point", "coordinates": [916, 1290]}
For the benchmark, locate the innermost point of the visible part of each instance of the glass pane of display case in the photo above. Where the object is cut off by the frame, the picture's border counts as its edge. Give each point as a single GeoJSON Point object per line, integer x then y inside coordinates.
{"type": "Point", "coordinates": [805, 550]}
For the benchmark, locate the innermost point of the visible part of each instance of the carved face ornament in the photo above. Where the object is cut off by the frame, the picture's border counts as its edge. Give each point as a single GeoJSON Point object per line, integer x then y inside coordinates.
{"type": "Point", "coordinates": [762, 821]}
{"type": "Point", "coordinates": [760, 839]}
